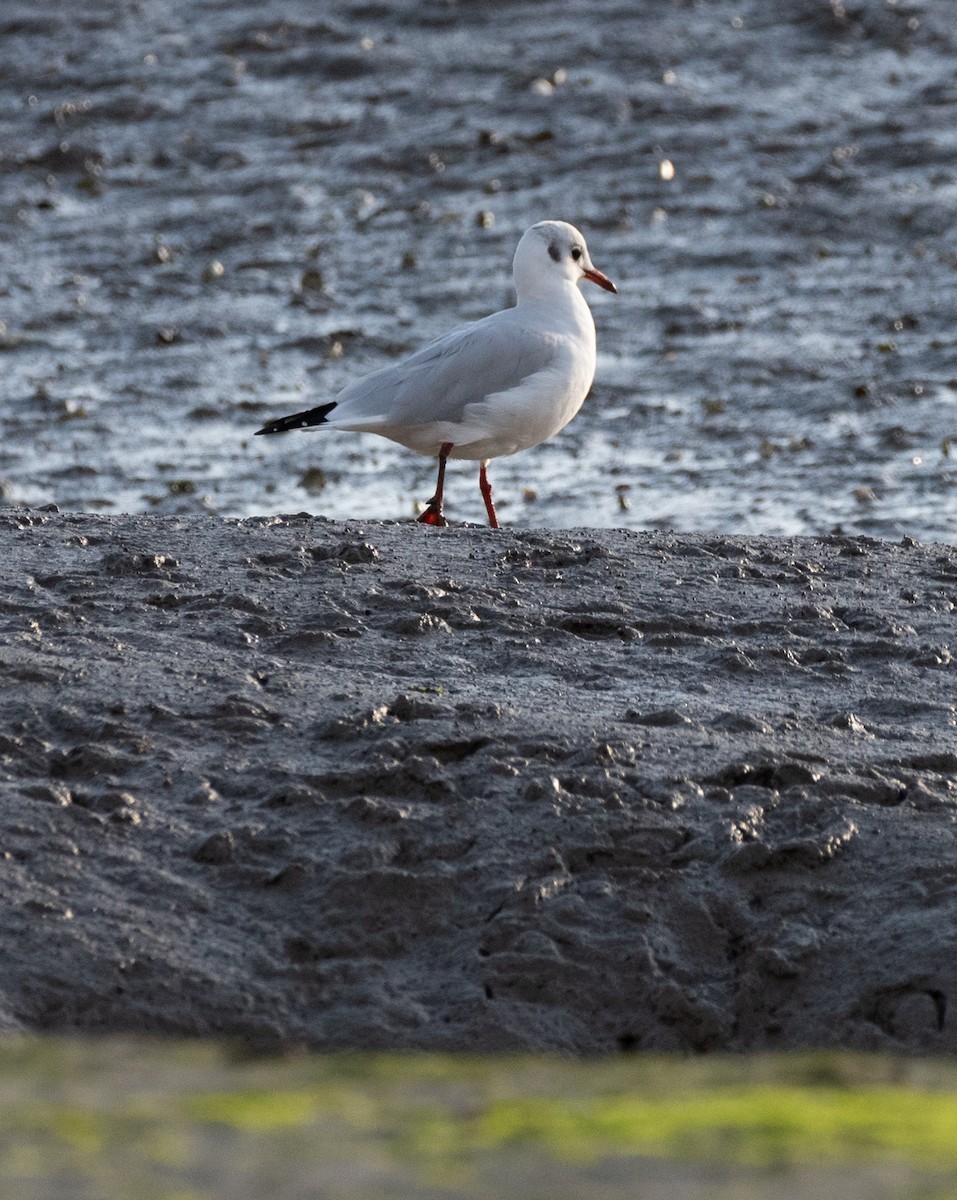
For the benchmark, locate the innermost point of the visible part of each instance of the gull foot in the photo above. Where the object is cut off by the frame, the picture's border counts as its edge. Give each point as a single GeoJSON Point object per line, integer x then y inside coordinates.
{"type": "Point", "coordinates": [432, 516]}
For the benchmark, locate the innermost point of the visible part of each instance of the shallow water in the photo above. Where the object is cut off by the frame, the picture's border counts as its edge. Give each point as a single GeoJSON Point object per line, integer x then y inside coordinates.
{"type": "Point", "coordinates": [215, 213]}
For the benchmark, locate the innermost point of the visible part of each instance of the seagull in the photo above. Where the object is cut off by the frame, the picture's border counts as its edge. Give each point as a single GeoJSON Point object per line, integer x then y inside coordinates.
{"type": "Point", "coordinates": [494, 387]}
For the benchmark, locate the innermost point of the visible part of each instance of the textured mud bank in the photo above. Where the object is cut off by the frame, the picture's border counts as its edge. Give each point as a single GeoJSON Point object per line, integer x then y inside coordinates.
{"type": "Point", "coordinates": [381, 785]}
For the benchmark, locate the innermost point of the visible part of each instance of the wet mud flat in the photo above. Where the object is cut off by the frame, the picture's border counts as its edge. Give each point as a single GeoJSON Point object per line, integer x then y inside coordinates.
{"type": "Point", "coordinates": [217, 212]}
{"type": "Point", "coordinates": [376, 785]}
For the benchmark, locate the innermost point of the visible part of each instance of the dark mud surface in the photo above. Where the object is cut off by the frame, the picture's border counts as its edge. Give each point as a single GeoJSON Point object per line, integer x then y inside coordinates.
{"type": "Point", "coordinates": [385, 786]}
{"type": "Point", "coordinates": [215, 212]}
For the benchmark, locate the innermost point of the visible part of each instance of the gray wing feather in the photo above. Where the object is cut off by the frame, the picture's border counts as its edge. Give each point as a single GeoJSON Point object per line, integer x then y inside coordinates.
{"type": "Point", "coordinates": [441, 380]}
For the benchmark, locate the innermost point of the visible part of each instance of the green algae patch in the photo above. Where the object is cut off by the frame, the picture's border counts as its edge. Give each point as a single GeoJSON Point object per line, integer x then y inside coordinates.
{"type": "Point", "coordinates": [259, 1111]}
{"type": "Point", "coordinates": [762, 1126]}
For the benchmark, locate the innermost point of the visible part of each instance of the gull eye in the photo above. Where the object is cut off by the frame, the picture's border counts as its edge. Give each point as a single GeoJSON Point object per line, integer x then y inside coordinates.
{"type": "Point", "coordinates": [576, 253]}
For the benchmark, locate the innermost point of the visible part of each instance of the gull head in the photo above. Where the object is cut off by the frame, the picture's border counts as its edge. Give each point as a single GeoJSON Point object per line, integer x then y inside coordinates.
{"type": "Point", "coordinates": [550, 254]}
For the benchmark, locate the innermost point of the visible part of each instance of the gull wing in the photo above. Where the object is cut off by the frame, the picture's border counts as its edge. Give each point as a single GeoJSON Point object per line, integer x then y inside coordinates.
{"type": "Point", "coordinates": [440, 381]}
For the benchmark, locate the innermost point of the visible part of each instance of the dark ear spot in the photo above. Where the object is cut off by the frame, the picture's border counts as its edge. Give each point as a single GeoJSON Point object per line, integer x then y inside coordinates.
{"type": "Point", "coordinates": [554, 252]}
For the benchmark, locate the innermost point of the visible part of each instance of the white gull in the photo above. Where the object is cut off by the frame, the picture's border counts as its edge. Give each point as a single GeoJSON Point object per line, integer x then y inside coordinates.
{"type": "Point", "coordinates": [494, 387]}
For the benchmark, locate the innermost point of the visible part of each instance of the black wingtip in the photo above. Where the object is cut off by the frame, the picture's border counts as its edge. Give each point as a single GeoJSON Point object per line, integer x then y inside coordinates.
{"type": "Point", "coordinates": [300, 420]}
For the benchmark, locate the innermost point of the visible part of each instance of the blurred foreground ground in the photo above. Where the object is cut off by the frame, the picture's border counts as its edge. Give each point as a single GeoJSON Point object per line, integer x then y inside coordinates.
{"type": "Point", "coordinates": [127, 1120]}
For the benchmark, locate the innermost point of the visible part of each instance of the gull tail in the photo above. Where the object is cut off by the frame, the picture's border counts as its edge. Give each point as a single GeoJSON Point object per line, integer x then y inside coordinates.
{"type": "Point", "coordinates": [300, 420]}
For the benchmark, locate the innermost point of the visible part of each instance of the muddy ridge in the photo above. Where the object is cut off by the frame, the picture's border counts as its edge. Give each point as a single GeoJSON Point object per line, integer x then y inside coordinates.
{"type": "Point", "coordinates": [379, 785]}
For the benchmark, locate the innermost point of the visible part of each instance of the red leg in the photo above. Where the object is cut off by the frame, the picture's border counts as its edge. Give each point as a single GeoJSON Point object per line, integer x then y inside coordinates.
{"type": "Point", "coordinates": [486, 489]}
{"type": "Point", "coordinates": [433, 514]}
